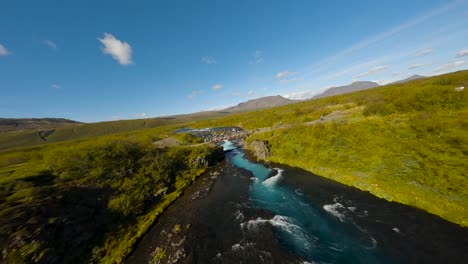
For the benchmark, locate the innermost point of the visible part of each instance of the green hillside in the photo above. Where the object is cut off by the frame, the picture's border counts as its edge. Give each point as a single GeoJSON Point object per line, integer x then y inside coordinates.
{"type": "Point", "coordinates": [403, 142]}
{"type": "Point", "coordinates": [28, 138]}
{"type": "Point", "coordinates": [105, 192]}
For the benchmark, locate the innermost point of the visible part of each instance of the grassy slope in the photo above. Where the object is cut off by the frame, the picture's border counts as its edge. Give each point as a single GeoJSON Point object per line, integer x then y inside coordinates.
{"type": "Point", "coordinates": [104, 187]}
{"type": "Point", "coordinates": [404, 142]}
{"type": "Point", "coordinates": [18, 139]}
{"type": "Point", "coordinates": [16, 124]}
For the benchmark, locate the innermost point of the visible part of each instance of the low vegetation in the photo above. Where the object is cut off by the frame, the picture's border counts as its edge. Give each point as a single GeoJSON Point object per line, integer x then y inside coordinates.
{"type": "Point", "coordinates": [95, 197]}
{"type": "Point", "coordinates": [89, 192]}
{"type": "Point", "coordinates": [28, 138]}
{"type": "Point", "coordinates": [187, 138]}
{"type": "Point", "coordinates": [404, 142]}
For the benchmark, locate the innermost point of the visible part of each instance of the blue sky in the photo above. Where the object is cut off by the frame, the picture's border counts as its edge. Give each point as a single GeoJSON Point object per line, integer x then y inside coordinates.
{"type": "Point", "coordinates": [105, 60]}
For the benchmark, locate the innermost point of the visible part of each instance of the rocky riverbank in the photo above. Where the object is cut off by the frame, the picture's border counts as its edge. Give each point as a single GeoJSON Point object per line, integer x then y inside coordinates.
{"type": "Point", "coordinates": [204, 225]}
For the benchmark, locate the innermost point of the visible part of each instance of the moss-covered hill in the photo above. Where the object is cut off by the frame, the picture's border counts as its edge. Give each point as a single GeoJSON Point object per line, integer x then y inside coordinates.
{"type": "Point", "coordinates": [404, 142]}
{"type": "Point", "coordinates": [89, 201]}
{"type": "Point", "coordinates": [90, 191]}
{"type": "Point", "coordinates": [42, 134]}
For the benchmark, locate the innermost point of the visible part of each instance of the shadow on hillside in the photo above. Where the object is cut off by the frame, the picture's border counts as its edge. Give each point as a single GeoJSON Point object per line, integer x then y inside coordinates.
{"type": "Point", "coordinates": [62, 227]}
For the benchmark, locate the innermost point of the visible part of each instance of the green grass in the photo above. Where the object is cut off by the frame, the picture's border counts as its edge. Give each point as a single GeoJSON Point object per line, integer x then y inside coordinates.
{"type": "Point", "coordinates": [399, 158]}
{"type": "Point", "coordinates": [122, 178]}
{"type": "Point", "coordinates": [22, 139]}
{"type": "Point", "coordinates": [403, 142]}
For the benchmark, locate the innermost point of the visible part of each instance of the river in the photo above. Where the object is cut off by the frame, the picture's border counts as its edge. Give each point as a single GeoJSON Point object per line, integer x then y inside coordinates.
{"type": "Point", "coordinates": [242, 211]}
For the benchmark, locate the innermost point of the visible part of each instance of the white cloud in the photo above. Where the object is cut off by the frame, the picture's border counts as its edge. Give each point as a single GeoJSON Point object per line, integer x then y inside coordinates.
{"type": "Point", "coordinates": [217, 108]}
{"type": "Point", "coordinates": [462, 53]}
{"type": "Point", "coordinates": [284, 74]}
{"type": "Point", "coordinates": [3, 50]}
{"type": "Point", "coordinates": [381, 82]}
{"type": "Point", "coordinates": [417, 65]}
{"type": "Point", "coordinates": [141, 115]}
{"type": "Point", "coordinates": [50, 44]}
{"type": "Point", "coordinates": [352, 68]}
{"type": "Point", "coordinates": [119, 50]}
{"type": "Point", "coordinates": [424, 52]}
{"type": "Point", "coordinates": [208, 60]}
{"type": "Point", "coordinates": [371, 71]}
{"type": "Point", "coordinates": [449, 66]}
{"type": "Point", "coordinates": [330, 61]}
{"type": "Point", "coordinates": [217, 86]}
{"type": "Point", "coordinates": [242, 94]}
{"type": "Point", "coordinates": [257, 57]}
{"type": "Point", "coordinates": [396, 73]}
{"type": "Point", "coordinates": [301, 95]}
{"type": "Point", "coordinates": [194, 94]}
{"type": "Point", "coordinates": [56, 86]}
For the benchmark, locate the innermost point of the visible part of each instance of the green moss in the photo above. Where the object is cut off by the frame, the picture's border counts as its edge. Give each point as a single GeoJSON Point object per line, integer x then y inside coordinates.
{"type": "Point", "coordinates": [404, 142]}
{"type": "Point", "coordinates": [142, 181]}
{"type": "Point", "coordinates": [158, 254]}
{"type": "Point", "coordinates": [376, 154]}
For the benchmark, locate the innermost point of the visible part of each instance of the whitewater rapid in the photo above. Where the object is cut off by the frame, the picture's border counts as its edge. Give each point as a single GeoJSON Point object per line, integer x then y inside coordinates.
{"type": "Point", "coordinates": [304, 229]}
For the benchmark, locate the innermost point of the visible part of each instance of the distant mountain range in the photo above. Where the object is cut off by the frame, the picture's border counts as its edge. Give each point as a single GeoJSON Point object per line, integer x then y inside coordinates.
{"type": "Point", "coordinates": [360, 85]}
{"type": "Point", "coordinates": [273, 101]}
{"type": "Point", "coordinates": [14, 124]}
{"type": "Point", "coordinates": [355, 86]}
{"type": "Point", "coordinates": [260, 103]}
{"type": "Point", "coordinates": [411, 78]}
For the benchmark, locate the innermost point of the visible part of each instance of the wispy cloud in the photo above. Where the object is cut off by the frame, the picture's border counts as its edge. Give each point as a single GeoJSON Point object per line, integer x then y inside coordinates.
{"type": "Point", "coordinates": [119, 50]}
{"type": "Point", "coordinates": [284, 74]}
{"type": "Point", "coordinates": [393, 31]}
{"type": "Point", "coordinates": [418, 65]}
{"type": "Point", "coordinates": [208, 60]}
{"type": "Point", "coordinates": [56, 86]}
{"type": "Point", "coordinates": [257, 57]}
{"type": "Point", "coordinates": [301, 95]}
{"type": "Point", "coordinates": [194, 94]}
{"type": "Point", "coordinates": [217, 108]}
{"type": "Point", "coordinates": [3, 50]}
{"type": "Point", "coordinates": [462, 53]}
{"type": "Point", "coordinates": [396, 74]}
{"type": "Point", "coordinates": [371, 71]}
{"type": "Point", "coordinates": [217, 86]}
{"type": "Point", "coordinates": [141, 115]}
{"type": "Point", "coordinates": [381, 82]}
{"type": "Point", "coordinates": [242, 94]}
{"type": "Point", "coordinates": [50, 44]}
{"type": "Point", "coordinates": [423, 52]}
{"type": "Point", "coordinates": [449, 66]}
{"type": "Point", "coordinates": [330, 61]}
